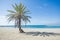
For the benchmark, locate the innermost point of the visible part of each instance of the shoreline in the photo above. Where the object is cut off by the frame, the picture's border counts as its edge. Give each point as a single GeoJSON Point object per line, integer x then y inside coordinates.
{"type": "Point", "coordinates": [30, 28]}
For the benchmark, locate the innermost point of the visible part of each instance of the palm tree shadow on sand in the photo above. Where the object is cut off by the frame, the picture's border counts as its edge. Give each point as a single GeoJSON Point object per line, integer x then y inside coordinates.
{"type": "Point", "coordinates": [42, 34]}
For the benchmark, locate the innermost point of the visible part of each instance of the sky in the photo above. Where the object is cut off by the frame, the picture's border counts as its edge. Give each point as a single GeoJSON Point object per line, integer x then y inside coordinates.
{"type": "Point", "coordinates": [43, 12]}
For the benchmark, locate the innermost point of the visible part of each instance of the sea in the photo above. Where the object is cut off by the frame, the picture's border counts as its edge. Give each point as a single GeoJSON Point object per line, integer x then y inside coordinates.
{"type": "Point", "coordinates": [32, 26]}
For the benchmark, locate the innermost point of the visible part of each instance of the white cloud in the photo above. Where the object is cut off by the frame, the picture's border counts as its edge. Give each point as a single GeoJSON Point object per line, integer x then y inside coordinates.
{"type": "Point", "coordinates": [4, 21]}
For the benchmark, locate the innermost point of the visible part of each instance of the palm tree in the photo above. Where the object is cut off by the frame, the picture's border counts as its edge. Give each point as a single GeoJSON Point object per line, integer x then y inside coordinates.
{"type": "Point", "coordinates": [18, 14]}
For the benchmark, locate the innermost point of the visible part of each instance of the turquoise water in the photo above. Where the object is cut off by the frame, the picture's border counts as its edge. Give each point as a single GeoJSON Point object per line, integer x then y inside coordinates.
{"type": "Point", "coordinates": [34, 26]}
{"type": "Point", "coordinates": [40, 26]}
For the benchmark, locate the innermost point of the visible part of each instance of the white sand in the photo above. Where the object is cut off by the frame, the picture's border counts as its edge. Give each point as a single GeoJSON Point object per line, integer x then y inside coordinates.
{"type": "Point", "coordinates": [13, 34]}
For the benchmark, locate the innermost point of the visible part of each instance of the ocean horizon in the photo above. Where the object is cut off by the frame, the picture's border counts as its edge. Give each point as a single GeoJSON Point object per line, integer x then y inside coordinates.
{"type": "Point", "coordinates": [32, 26]}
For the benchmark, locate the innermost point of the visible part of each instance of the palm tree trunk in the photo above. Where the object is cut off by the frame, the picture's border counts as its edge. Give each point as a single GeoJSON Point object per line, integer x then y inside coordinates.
{"type": "Point", "coordinates": [19, 25]}
{"type": "Point", "coordinates": [15, 23]}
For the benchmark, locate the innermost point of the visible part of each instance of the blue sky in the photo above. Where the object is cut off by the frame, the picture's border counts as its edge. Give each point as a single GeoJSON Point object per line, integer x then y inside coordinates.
{"type": "Point", "coordinates": [43, 12]}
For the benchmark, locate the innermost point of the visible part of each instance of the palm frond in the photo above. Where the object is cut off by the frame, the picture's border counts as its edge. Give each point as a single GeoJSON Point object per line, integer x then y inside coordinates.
{"type": "Point", "coordinates": [15, 7]}
{"type": "Point", "coordinates": [26, 18]}
{"type": "Point", "coordinates": [26, 12]}
{"type": "Point", "coordinates": [11, 11]}
{"type": "Point", "coordinates": [11, 17]}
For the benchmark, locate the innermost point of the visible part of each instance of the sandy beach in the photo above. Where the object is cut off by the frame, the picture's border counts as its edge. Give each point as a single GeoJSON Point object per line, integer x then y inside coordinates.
{"type": "Point", "coordinates": [31, 34]}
